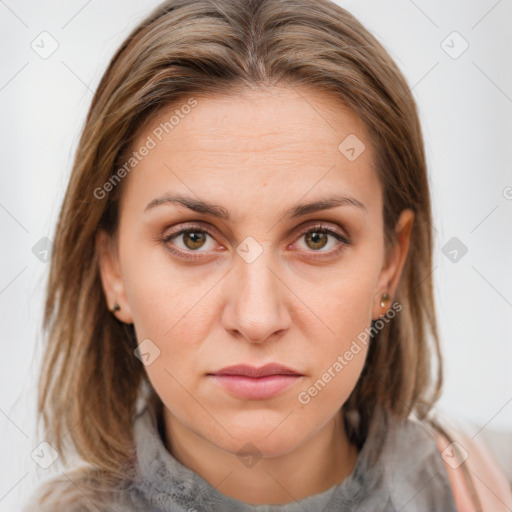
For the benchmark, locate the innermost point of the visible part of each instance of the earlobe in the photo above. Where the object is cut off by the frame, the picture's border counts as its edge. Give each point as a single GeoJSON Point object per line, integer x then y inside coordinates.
{"type": "Point", "coordinates": [111, 279]}
{"type": "Point", "coordinates": [395, 261]}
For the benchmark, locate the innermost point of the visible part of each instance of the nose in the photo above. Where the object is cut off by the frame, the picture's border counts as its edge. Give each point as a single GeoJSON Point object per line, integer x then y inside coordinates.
{"type": "Point", "coordinates": [256, 308]}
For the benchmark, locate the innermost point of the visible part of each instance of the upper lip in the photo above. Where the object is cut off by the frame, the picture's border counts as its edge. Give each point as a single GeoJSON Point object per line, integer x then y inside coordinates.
{"type": "Point", "coordinates": [253, 371]}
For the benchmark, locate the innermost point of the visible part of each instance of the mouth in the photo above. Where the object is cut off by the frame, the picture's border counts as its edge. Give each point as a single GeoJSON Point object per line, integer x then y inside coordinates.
{"type": "Point", "coordinates": [253, 383]}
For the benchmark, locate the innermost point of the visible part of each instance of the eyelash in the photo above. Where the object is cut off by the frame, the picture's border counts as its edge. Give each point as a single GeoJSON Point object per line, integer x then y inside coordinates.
{"type": "Point", "coordinates": [195, 228]}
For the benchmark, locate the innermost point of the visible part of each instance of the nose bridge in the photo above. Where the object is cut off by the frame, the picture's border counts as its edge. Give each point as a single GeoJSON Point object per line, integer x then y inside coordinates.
{"type": "Point", "coordinates": [257, 307]}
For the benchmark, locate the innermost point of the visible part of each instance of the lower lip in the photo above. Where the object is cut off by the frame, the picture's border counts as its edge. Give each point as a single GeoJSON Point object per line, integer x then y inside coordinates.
{"type": "Point", "coordinates": [256, 388]}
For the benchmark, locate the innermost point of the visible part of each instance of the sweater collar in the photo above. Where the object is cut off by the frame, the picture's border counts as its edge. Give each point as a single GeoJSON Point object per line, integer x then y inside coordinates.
{"type": "Point", "coordinates": [168, 485]}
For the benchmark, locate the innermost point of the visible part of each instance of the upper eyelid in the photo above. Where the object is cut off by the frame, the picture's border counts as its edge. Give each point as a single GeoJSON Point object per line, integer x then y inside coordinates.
{"type": "Point", "coordinates": [192, 227]}
{"type": "Point", "coordinates": [320, 226]}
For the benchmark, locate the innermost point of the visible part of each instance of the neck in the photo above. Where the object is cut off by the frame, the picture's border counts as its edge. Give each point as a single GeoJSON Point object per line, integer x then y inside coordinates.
{"type": "Point", "coordinates": [322, 461]}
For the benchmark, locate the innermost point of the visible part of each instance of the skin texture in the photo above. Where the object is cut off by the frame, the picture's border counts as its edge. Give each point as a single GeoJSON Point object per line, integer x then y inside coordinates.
{"type": "Point", "coordinates": [299, 303]}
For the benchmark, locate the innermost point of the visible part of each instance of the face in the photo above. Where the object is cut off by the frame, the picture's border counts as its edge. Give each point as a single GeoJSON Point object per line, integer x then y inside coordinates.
{"type": "Point", "coordinates": [218, 263]}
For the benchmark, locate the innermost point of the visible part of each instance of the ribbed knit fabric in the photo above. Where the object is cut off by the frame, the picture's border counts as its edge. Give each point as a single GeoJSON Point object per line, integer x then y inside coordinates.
{"type": "Point", "coordinates": [409, 476]}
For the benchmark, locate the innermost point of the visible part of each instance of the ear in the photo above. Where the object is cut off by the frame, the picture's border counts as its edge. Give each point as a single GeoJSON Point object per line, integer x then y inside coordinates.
{"type": "Point", "coordinates": [395, 259]}
{"type": "Point", "coordinates": [111, 279]}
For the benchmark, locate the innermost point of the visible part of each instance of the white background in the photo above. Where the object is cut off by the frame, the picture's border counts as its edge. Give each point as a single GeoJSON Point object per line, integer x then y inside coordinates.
{"type": "Point", "coordinates": [466, 110]}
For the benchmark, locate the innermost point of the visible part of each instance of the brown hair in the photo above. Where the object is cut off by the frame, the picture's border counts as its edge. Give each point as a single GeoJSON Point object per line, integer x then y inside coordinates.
{"type": "Point", "coordinates": [90, 377]}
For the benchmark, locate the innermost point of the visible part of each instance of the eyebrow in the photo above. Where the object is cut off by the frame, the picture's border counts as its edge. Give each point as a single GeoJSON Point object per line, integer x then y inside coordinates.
{"type": "Point", "coordinates": [220, 212]}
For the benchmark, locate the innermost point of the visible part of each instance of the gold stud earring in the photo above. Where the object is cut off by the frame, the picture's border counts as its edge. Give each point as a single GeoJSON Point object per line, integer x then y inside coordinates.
{"type": "Point", "coordinates": [384, 299]}
{"type": "Point", "coordinates": [116, 307]}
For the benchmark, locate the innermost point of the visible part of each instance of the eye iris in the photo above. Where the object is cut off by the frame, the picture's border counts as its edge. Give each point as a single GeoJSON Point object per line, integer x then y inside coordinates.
{"type": "Point", "coordinates": [317, 238]}
{"type": "Point", "coordinates": [195, 238]}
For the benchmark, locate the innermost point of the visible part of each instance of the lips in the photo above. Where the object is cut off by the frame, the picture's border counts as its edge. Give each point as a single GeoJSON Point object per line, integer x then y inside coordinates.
{"type": "Point", "coordinates": [252, 371]}
{"type": "Point", "coordinates": [255, 383]}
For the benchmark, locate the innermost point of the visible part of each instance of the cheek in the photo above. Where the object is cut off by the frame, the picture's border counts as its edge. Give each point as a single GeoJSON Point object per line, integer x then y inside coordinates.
{"type": "Point", "coordinates": [171, 315]}
{"type": "Point", "coordinates": [337, 357]}
{"type": "Point", "coordinates": [342, 294]}
{"type": "Point", "coordinates": [322, 396]}
{"type": "Point", "coordinates": [163, 297]}
{"type": "Point", "coordinates": [341, 299]}
{"type": "Point", "coordinates": [175, 317]}
{"type": "Point", "coordinates": [176, 324]}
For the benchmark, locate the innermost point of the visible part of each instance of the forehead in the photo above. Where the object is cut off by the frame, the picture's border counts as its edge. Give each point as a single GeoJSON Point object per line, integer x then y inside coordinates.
{"type": "Point", "coordinates": [255, 147]}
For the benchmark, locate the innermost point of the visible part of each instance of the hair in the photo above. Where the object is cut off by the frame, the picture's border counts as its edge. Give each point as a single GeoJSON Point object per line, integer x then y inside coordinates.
{"type": "Point", "coordinates": [90, 379]}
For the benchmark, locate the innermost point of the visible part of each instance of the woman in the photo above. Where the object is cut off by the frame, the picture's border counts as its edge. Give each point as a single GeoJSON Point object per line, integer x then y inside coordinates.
{"type": "Point", "coordinates": [240, 312]}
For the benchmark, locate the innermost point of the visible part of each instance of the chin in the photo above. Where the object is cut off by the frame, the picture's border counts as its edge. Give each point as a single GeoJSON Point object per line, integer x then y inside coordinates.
{"type": "Point", "coordinates": [260, 437]}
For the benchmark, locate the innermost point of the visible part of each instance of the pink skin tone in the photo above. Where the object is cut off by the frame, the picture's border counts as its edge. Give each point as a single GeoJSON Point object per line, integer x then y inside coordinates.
{"type": "Point", "coordinates": [300, 303]}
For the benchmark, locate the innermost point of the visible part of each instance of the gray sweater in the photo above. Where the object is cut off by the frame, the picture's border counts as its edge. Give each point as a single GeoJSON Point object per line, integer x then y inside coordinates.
{"type": "Point", "coordinates": [409, 476]}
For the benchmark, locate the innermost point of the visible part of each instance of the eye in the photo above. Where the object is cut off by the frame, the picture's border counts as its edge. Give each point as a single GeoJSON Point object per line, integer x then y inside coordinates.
{"type": "Point", "coordinates": [192, 239]}
{"type": "Point", "coordinates": [322, 239]}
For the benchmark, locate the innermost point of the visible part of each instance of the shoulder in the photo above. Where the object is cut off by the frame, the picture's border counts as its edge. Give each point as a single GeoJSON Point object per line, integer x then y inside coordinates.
{"type": "Point", "coordinates": [411, 462]}
{"type": "Point", "coordinates": [80, 490]}
{"type": "Point", "coordinates": [477, 481]}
